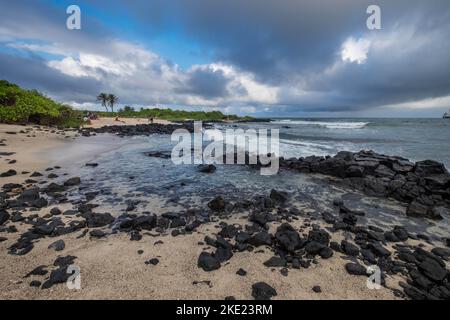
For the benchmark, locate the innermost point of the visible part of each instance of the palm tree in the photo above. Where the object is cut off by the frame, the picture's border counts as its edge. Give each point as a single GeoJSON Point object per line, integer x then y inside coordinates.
{"type": "Point", "coordinates": [112, 99]}
{"type": "Point", "coordinates": [104, 99]}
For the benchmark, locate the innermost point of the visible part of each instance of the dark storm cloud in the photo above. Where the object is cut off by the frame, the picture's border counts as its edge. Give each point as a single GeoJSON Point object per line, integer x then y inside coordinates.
{"type": "Point", "coordinates": [36, 20]}
{"type": "Point", "coordinates": [293, 45]}
{"type": "Point", "coordinates": [33, 73]}
{"type": "Point", "coordinates": [285, 41]}
{"type": "Point", "coordinates": [206, 83]}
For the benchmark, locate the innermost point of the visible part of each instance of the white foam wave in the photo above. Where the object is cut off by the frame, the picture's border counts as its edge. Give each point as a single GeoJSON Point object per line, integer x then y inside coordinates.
{"type": "Point", "coordinates": [325, 124]}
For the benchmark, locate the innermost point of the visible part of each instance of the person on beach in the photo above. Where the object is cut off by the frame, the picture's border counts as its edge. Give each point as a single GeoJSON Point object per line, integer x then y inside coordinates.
{"type": "Point", "coordinates": [150, 119]}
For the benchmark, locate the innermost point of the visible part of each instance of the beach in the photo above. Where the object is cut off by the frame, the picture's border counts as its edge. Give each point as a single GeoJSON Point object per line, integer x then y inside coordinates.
{"type": "Point", "coordinates": [155, 259]}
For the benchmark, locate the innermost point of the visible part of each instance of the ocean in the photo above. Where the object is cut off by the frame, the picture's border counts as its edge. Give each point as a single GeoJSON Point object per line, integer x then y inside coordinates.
{"type": "Point", "coordinates": [415, 139]}
{"type": "Point", "coordinates": [127, 175]}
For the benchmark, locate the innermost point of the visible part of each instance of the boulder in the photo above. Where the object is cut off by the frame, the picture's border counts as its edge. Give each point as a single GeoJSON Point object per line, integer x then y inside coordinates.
{"type": "Point", "coordinates": [54, 187]}
{"type": "Point", "coordinates": [8, 173]}
{"type": "Point", "coordinates": [28, 196]}
{"type": "Point", "coordinates": [55, 211]}
{"type": "Point", "coordinates": [72, 182]}
{"type": "Point", "coordinates": [433, 270]}
{"type": "Point", "coordinates": [260, 239]}
{"type": "Point", "coordinates": [57, 245]}
{"type": "Point", "coordinates": [356, 269]}
{"type": "Point", "coordinates": [320, 236]}
{"type": "Point", "coordinates": [326, 253]}
{"type": "Point", "coordinates": [206, 168]}
{"type": "Point", "coordinates": [4, 216]}
{"type": "Point", "coordinates": [278, 196]}
{"type": "Point", "coordinates": [208, 262]}
{"type": "Point", "coordinates": [217, 204]}
{"type": "Point", "coordinates": [417, 209]}
{"type": "Point", "coordinates": [263, 291]}
{"type": "Point", "coordinates": [384, 172]}
{"type": "Point", "coordinates": [288, 238]}
{"type": "Point", "coordinates": [438, 181]}
{"type": "Point", "coordinates": [379, 250]}
{"type": "Point", "coordinates": [96, 220]}
{"type": "Point", "coordinates": [97, 233]}
{"type": "Point", "coordinates": [349, 248]}
{"type": "Point", "coordinates": [429, 167]}
{"type": "Point", "coordinates": [275, 262]}
{"type": "Point", "coordinates": [314, 247]}
{"type": "Point", "coordinates": [354, 172]}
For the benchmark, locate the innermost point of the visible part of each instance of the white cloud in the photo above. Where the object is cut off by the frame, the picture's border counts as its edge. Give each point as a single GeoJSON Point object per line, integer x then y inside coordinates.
{"type": "Point", "coordinates": [69, 66]}
{"type": "Point", "coordinates": [431, 103]}
{"type": "Point", "coordinates": [355, 50]}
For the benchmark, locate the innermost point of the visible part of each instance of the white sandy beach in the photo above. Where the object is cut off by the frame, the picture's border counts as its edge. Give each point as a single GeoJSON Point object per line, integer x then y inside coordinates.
{"type": "Point", "coordinates": [112, 268]}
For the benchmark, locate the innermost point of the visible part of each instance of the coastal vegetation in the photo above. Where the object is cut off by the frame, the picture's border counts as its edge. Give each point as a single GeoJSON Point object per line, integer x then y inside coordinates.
{"type": "Point", "coordinates": [174, 115]}
{"type": "Point", "coordinates": [19, 105]}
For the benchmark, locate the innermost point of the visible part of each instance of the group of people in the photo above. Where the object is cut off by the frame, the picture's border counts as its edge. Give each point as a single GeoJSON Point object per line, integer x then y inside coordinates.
{"type": "Point", "coordinates": [89, 116]}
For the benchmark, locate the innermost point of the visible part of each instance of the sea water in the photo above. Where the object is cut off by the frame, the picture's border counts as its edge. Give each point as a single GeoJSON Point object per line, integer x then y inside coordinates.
{"type": "Point", "coordinates": [415, 139]}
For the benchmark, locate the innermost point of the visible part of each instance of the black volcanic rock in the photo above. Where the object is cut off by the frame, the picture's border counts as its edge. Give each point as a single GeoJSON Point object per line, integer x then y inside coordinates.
{"type": "Point", "coordinates": [208, 262]}
{"type": "Point", "coordinates": [206, 168]}
{"type": "Point", "coordinates": [8, 173]}
{"type": "Point", "coordinates": [57, 245]}
{"type": "Point", "coordinates": [349, 248]}
{"type": "Point", "coordinates": [97, 233]}
{"type": "Point", "coordinates": [356, 269]}
{"type": "Point", "coordinates": [4, 216]}
{"type": "Point", "coordinates": [217, 204]}
{"type": "Point", "coordinates": [433, 270]}
{"type": "Point", "coordinates": [241, 272]}
{"type": "Point", "coordinates": [263, 291]}
{"type": "Point", "coordinates": [288, 238]}
{"type": "Point", "coordinates": [260, 239]}
{"type": "Point", "coordinates": [275, 262]}
{"type": "Point", "coordinates": [278, 196]}
{"type": "Point", "coordinates": [72, 182]}
{"type": "Point", "coordinates": [320, 236]}
{"type": "Point", "coordinates": [153, 261]}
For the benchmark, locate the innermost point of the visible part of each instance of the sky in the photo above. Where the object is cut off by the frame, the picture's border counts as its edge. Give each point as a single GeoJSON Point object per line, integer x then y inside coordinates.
{"type": "Point", "coordinates": [263, 58]}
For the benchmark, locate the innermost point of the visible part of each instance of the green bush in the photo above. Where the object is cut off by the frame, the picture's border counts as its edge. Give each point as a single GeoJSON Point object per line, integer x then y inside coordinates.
{"type": "Point", "coordinates": [18, 105]}
{"type": "Point", "coordinates": [174, 115]}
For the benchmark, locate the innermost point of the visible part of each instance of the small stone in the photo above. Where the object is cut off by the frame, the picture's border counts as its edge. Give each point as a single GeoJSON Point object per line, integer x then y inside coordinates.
{"type": "Point", "coordinates": [241, 272]}
{"type": "Point", "coordinates": [55, 211]}
{"type": "Point", "coordinates": [58, 245]}
{"type": "Point", "coordinates": [153, 261]}
{"type": "Point", "coordinates": [97, 234]}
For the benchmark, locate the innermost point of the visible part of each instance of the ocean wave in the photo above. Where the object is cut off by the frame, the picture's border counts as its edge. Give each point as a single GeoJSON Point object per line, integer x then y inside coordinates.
{"type": "Point", "coordinates": [324, 124]}
{"type": "Point", "coordinates": [307, 144]}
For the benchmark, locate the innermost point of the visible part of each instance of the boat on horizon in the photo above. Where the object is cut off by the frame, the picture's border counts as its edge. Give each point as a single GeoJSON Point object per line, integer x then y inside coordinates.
{"type": "Point", "coordinates": [446, 115]}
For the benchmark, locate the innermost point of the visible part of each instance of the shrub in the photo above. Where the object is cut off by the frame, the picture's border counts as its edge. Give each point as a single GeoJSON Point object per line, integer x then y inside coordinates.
{"type": "Point", "coordinates": [18, 105]}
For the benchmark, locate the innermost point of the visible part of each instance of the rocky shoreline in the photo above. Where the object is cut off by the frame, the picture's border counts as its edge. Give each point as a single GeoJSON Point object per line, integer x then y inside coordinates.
{"type": "Point", "coordinates": [139, 129]}
{"type": "Point", "coordinates": [424, 185]}
{"type": "Point", "coordinates": [270, 222]}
